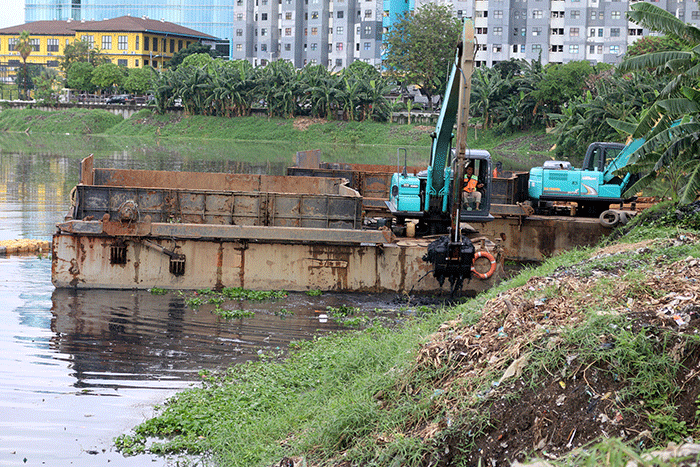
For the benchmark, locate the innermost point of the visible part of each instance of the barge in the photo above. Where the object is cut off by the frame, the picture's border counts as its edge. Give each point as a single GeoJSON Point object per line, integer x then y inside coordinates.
{"type": "Point", "coordinates": [135, 229]}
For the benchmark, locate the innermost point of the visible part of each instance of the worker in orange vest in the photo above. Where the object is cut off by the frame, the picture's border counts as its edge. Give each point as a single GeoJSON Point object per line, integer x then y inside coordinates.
{"type": "Point", "coordinates": [472, 185]}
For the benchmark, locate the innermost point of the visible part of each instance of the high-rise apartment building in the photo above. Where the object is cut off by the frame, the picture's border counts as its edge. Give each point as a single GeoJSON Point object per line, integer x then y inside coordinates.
{"type": "Point", "coordinates": [561, 31]}
{"type": "Point", "coordinates": [329, 33]}
{"type": "Point", "coordinates": [334, 33]}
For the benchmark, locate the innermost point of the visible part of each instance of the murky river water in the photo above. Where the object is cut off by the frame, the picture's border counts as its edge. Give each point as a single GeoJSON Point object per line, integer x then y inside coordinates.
{"type": "Point", "coordinates": [78, 368]}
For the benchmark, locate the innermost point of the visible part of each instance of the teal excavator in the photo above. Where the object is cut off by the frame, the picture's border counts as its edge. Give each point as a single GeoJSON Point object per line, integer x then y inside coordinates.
{"type": "Point", "coordinates": [434, 197]}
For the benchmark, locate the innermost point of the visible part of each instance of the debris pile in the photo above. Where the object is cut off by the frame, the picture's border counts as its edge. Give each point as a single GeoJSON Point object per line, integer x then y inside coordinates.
{"type": "Point", "coordinates": [580, 402]}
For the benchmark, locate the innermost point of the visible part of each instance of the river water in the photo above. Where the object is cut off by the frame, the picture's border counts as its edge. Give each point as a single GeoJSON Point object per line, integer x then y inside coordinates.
{"type": "Point", "coordinates": [78, 368]}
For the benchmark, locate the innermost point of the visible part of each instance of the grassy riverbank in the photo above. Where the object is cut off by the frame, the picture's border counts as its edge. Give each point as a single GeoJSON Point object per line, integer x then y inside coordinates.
{"type": "Point", "coordinates": [517, 152]}
{"type": "Point", "coordinates": [594, 349]}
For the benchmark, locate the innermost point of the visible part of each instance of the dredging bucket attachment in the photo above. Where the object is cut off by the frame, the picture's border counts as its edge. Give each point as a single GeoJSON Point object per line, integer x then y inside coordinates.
{"type": "Point", "coordinates": [451, 260]}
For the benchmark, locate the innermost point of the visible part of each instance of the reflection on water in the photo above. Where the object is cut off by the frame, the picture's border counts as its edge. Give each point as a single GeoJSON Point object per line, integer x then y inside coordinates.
{"type": "Point", "coordinates": [139, 336]}
{"type": "Point", "coordinates": [78, 368]}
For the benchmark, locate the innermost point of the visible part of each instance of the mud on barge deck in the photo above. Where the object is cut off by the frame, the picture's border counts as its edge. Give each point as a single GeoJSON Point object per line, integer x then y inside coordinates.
{"type": "Point", "coordinates": [181, 230]}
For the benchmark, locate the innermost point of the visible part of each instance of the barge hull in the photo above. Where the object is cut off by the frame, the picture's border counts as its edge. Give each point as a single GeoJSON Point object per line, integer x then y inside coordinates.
{"type": "Point", "coordinates": [85, 255]}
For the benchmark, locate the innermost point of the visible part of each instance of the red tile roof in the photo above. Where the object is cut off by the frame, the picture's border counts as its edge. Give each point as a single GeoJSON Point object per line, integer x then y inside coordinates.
{"type": "Point", "coordinates": [55, 28]}
{"type": "Point", "coordinates": [121, 24]}
{"type": "Point", "coordinates": [136, 24]}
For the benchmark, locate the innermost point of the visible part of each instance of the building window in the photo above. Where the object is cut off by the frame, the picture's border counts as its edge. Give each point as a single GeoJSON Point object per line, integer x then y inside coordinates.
{"type": "Point", "coordinates": [557, 14]}
{"type": "Point", "coordinates": [341, 13]}
{"type": "Point", "coordinates": [239, 47]}
{"type": "Point", "coordinates": [481, 14]}
{"type": "Point", "coordinates": [615, 49]}
{"type": "Point", "coordinates": [537, 31]}
{"type": "Point", "coordinates": [288, 15]}
{"type": "Point", "coordinates": [498, 14]}
{"type": "Point", "coordinates": [591, 32]}
{"type": "Point", "coordinates": [368, 14]}
{"type": "Point", "coordinates": [155, 44]}
{"type": "Point", "coordinates": [106, 42]}
{"type": "Point", "coordinates": [515, 48]}
{"type": "Point", "coordinates": [314, 46]}
{"type": "Point", "coordinates": [137, 43]}
{"type": "Point", "coordinates": [52, 63]}
{"type": "Point", "coordinates": [516, 14]}
{"type": "Point", "coordinates": [591, 49]}
{"type": "Point", "coordinates": [239, 16]}
{"type": "Point", "coordinates": [287, 47]}
{"type": "Point", "coordinates": [146, 43]}
{"type": "Point", "coordinates": [498, 31]}
{"type": "Point", "coordinates": [573, 49]}
{"type": "Point", "coordinates": [695, 14]}
{"type": "Point", "coordinates": [263, 16]}
{"type": "Point", "coordinates": [357, 46]}
{"type": "Point", "coordinates": [600, 32]}
{"type": "Point", "coordinates": [287, 31]}
{"type": "Point", "coordinates": [89, 39]}
{"type": "Point", "coordinates": [537, 14]}
{"type": "Point", "coordinates": [52, 45]}
{"type": "Point", "coordinates": [263, 31]}
{"type": "Point", "coordinates": [122, 42]}
{"type": "Point", "coordinates": [615, 15]}
{"type": "Point", "coordinates": [556, 48]}
{"type": "Point", "coordinates": [172, 46]}
{"type": "Point", "coordinates": [599, 49]}
{"type": "Point", "coordinates": [557, 31]}
{"type": "Point", "coordinates": [368, 46]}
{"type": "Point", "coordinates": [314, 15]}
{"type": "Point", "coordinates": [601, 15]}
{"type": "Point", "coordinates": [239, 32]}
{"type": "Point", "coordinates": [368, 30]}
{"type": "Point", "coordinates": [573, 32]}
{"type": "Point", "coordinates": [481, 30]}
{"type": "Point", "coordinates": [614, 32]}
{"type": "Point", "coordinates": [339, 46]}
{"type": "Point", "coordinates": [339, 30]}
{"type": "Point", "coordinates": [314, 31]}
{"type": "Point", "coordinates": [537, 47]}
{"type": "Point", "coordinates": [497, 48]}
{"type": "Point", "coordinates": [263, 47]}
{"type": "Point", "coordinates": [575, 14]}
{"type": "Point", "coordinates": [123, 62]}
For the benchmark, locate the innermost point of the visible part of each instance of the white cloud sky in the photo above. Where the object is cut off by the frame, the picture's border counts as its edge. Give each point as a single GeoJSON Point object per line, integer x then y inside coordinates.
{"type": "Point", "coordinates": [12, 13]}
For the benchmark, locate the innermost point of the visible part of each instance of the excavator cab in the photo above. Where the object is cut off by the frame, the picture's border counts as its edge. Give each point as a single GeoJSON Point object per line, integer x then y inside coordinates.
{"type": "Point", "coordinates": [476, 193]}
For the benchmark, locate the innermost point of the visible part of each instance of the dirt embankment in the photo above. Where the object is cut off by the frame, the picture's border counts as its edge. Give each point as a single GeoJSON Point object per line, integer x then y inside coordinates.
{"type": "Point", "coordinates": [581, 401]}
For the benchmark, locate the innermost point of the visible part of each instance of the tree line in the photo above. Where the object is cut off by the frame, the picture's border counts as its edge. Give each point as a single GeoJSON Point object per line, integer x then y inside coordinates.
{"type": "Point", "coordinates": [653, 93]}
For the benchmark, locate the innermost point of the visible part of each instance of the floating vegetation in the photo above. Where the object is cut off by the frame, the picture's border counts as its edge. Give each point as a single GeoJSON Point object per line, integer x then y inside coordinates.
{"type": "Point", "coordinates": [233, 314]}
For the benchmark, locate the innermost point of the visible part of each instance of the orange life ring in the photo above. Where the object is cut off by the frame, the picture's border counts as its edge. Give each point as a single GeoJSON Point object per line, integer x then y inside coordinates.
{"type": "Point", "coordinates": [489, 256]}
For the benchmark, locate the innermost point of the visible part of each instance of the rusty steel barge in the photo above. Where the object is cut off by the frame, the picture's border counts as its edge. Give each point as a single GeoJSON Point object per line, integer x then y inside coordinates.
{"type": "Point", "coordinates": [135, 229]}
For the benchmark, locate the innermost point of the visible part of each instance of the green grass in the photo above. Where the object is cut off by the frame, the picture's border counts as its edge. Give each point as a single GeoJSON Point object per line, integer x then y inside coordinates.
{"type": "Point", "coordinates": [356, 394]}
{"type": "Point", "coordinates": [202, 138]}
{"type": "Point", "coordinates": [74, 121]}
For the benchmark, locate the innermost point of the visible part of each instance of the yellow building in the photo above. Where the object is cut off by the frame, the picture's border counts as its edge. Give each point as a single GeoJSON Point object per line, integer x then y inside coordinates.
{"type": "Point", "coordinates": [128, 41]}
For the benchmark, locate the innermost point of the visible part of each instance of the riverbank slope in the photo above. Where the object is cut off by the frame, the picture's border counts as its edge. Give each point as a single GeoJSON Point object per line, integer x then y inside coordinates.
{"type": "Point", "coordinates": [590, 359]}
{"type": "Point", "coordinates": [516, 152]}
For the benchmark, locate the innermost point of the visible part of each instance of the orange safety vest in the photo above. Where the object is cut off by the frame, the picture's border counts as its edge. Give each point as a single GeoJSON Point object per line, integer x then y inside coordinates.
{"type": "Point", "coordinates": [470, 183]}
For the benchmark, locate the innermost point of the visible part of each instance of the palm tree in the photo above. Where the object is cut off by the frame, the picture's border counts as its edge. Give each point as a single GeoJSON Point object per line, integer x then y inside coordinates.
{"type": "Point", "coordinates": [671, 125]}
{"type": "Point", "coordinates": [681, 66]}
{"type": "Point", "coordinates": [24, 47]}
{"type": "Point", "coordinates": [487, 85]}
